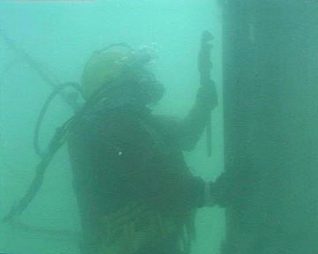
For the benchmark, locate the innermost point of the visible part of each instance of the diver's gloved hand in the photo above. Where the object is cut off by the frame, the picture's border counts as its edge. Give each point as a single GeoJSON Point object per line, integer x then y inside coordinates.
{"type": "Point", "coordinates": [207, 95]}
{"type": "Point", "coordinates": [229, 188]}
{"type": "Point", "coordinates": [219, 191]}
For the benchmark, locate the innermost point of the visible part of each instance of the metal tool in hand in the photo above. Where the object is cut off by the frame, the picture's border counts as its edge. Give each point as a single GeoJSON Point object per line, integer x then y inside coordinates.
{"type": "Point", "coordinates": [205, 66]}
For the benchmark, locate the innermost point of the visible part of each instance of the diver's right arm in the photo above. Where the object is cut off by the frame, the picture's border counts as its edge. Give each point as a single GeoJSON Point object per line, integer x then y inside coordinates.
{"type": "Point", "coordinates": [193, 125]}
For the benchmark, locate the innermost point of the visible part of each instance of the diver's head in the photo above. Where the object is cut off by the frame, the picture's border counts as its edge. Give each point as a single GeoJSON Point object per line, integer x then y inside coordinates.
{"type": "Point", "coordinates": [119, 67]}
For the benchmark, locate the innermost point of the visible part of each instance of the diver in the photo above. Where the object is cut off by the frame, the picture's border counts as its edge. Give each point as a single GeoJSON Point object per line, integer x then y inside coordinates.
{"type": "Point", "coordinates": [135, 192]}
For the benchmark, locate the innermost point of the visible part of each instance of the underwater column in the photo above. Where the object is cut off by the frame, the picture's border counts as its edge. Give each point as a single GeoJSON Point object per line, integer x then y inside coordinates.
{"type": "Point", "coordinates": [270, 57]}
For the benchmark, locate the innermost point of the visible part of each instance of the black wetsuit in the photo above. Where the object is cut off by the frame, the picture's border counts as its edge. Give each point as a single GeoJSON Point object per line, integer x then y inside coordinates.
{"type": "Point", "coordinates": [123, 154]}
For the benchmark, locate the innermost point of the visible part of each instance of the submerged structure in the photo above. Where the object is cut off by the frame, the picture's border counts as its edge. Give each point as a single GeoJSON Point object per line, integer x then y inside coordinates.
{"type": "Point", "coordinates": [271, 138]}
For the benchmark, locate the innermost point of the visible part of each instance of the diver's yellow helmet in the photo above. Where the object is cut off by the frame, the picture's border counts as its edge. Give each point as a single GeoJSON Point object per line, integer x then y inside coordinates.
{"type": "Point", "coordinates": [105, 66]}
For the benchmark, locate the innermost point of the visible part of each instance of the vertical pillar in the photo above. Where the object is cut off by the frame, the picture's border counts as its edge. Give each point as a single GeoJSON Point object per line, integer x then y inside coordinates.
{"type": "Point", "coordinates": [271, 125]}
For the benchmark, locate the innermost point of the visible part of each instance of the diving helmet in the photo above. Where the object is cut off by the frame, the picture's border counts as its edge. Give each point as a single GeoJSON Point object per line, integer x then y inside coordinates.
{"type": "Point", "coordinates": [114, 62]}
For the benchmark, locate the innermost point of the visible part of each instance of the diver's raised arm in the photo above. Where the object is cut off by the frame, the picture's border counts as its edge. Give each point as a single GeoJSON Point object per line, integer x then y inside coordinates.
{"type": "Point", "coordinates": [199, 116]}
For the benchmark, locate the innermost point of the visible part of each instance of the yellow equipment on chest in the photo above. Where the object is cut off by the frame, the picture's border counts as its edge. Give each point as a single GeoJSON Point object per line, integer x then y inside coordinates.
{"type": "Point", "coordinates": [136, 226]}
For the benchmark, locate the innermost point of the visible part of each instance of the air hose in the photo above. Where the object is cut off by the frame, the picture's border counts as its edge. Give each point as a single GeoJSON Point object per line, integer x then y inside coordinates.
{"type": "Point", "coordinates": [44, 110]}
{"type": "Point", "coordinates": [56, 142]}
{"type": "Point", "coordinates": [46, 156]}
